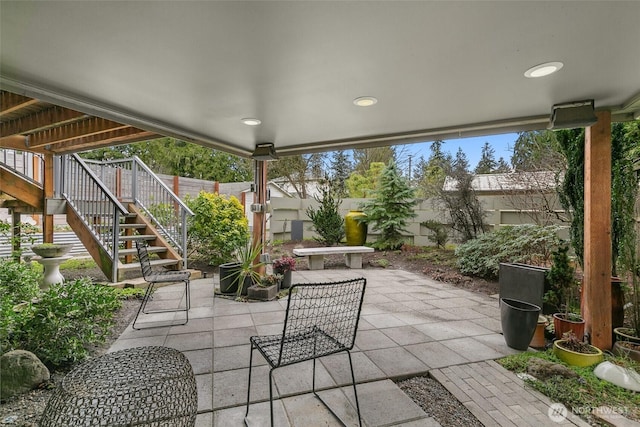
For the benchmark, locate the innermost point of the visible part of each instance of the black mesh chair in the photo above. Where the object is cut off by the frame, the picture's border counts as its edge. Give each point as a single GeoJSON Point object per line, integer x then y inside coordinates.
{"type": "Point", "coordinates": [153, 277]}
{"type": "Point", "coordinates": [321, 319]}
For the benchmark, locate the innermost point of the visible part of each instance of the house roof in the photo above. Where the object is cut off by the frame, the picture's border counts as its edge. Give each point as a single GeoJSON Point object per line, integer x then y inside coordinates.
{"type": "Point", "coordinates": [125, 71]}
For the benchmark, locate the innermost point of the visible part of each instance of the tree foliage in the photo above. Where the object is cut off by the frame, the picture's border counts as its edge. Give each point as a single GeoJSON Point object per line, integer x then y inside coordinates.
{"type": "Point", "coordinates": [218, 227]}
{"type": "Point", "coordinates": [461, 202]}
{"type": "Point", "coordinates": [364, 184]}
{"type": "Point", "coordinates": [487, 162]}
{"type": "Point", "coordinates": [326, 219]}
{"type": "Point", "coordinates": [363, 158]}
{"type": "Point", "coordinates": [391, 208]}
{"type": "Point", "coordinates": [535, 151]}
{"type": "Point", "coordinates": [430, 175]}
{"type": "Point", "coordinates": [341, 168]}
{"type": "Point", "coordinates": [298, 170]}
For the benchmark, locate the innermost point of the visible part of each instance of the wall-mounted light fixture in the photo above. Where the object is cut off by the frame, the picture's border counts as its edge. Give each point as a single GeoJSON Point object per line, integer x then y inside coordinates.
{"type": "Point", "coordinates": [264, 151]}
{"type": "Point", "coordinates": [571, 115]}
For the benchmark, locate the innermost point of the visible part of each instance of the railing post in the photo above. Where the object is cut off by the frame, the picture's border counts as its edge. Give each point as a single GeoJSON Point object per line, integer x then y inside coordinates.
{"type": "Point", "coordinates": [114, 242]}
{"type": "Point", "coordinates": [183, 219]}
{"type": "Point", "coordinates": [134, 178]}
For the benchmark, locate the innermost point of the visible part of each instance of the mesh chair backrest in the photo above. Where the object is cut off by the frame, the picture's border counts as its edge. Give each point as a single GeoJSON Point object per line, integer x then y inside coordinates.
{"type": "Point", "coordinates": [332, 307]}
{"type": "Point", "coordinates": [143, 257]}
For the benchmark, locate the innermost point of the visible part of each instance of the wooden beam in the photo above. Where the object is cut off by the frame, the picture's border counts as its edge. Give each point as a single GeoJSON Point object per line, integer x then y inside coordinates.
{"type": "Point", "coordinates": [597, 231]}
{"type": "Point", "coordinates": [41, 120]}
{"type": "Point", "coordinates": [126, 135]}
{"type": "Point", "coordinates": [259, 223]}
{"type": "Point", "coordinates": [21, 189]}
{"type": "Point", "coordinates": [85, 128]}
{"type": "Point", "coordinates": [10, 102]}
{"type": "Point", "coordinates": [16, 142]}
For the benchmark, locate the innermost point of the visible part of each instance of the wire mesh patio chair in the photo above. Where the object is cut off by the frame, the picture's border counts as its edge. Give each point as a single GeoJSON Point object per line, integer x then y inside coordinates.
{"type": "Point", "coordinates": [321, 319]}
{"type": "Point", "coordinates": [154, 277]}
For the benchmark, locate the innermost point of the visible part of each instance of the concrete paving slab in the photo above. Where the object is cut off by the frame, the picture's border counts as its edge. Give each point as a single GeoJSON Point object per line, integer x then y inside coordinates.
{"type": "Point", "coordinates": [201, 360]}
{"type": "Point", "coordinates": [259, 416]}
{"type": "Point", "coordinates": [297, 379]}
{"type": "Point", "coordinates": [194, 325]}
{"type": "Point", "coordinates": [136, 342]}
{"type": "Point", "coordinates": [231, 387]}
{"type": "Point", "coordinates": [397, 362]}
{"type": "Point", "coordinates": [231, 337]}
{"type": "Point", "coordinates": [435, 354]}
{"type": "Point", "coordinates": [232, 322]}
{"type": "Point", "coordinates": [268, 318]}
{"type": "Point", "coordinates": [373, 339]}
{"type": "Point", "coordinates": [364, 369]}
{"type": "Point", "coordinates": [405, 335]}
{"type": "Point", "coordinates": [439, 331]}
{"type": "Point", "coordinates": [204, 383]}
{"type": "Point", "coordinates": [386, 320]}
{"type": "Point", "coordinates": [194, 341]}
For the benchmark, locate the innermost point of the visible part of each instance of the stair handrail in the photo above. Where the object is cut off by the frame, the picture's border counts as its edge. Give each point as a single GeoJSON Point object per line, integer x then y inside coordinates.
{"type": "Point", "coordinates": [26, 168]}
{"type": "Point", "coordinates": [165, 209]}
{"type": "Point", "coordinates": [90, 198]}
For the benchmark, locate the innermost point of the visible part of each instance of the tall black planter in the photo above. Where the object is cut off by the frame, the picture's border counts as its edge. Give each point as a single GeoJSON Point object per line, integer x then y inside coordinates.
{"type": "Point", "coordinates": [519, 320]}
{"type": "Point", "coordinates": [229, 279]}
{"type": "Point", "coordinates": [526, 283]}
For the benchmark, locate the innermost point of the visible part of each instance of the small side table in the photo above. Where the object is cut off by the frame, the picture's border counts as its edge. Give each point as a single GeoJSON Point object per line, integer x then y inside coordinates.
{"type": "Point", "coordinates": [51, 270]}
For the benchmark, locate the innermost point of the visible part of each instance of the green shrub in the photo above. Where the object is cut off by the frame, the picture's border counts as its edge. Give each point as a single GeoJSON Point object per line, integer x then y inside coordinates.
{"type": "Point", "coordinates": [531, 244]}
{"type": "Point", "coordinates": [66, 320]}
{"type": "Point", "coordinates": [439, 234]}
{"type": "Point", "coordinates": [217, 228]}
{"type": "Point", "coordinates": [326, 219]}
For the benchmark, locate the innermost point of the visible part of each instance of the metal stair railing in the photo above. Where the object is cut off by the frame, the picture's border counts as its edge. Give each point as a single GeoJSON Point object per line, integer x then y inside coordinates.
{"type": "Point", "coordinates": [29, 166]}
{"type": "Point", "coordinates": [93, 203]}
{"type": "Point", "coordinates": [131, 179]}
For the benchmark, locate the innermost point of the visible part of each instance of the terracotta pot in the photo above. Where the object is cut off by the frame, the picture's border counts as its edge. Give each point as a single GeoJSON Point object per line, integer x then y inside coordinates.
{"type": "Point", "coordinates": [538, 340]}
{"type": "Point", "coordinates": [562, 325]}
{"type": "Point", "coordinates": [574, 358]}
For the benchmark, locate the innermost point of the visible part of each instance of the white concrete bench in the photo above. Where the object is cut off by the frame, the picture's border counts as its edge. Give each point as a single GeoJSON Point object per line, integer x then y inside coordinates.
{"type": "Point", "coordinates": [315, 256]}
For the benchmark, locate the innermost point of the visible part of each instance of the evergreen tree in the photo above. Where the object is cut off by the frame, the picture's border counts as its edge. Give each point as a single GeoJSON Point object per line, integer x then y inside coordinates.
{"type": "Point", "coordinates": [502, 166]}
{"type": "Point", "coordinates": [487, 162]}
{"type": "Point", "coordinates": [434, 171]}
{"type": "Point", "coordinates": [537, 151]}
{"type": "Point", "coordinates": [340, 169]}
{"type": "Point", "coordinates": [391, 208]}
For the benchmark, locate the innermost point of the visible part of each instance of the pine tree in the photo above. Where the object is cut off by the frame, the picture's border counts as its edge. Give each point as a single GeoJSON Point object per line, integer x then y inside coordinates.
{"type": "Point", "coordinates": [487, 162]}
{"type": "Point", "coordinates": [391, 208]}
{"type": "Point", "coordinates": [503, 166]}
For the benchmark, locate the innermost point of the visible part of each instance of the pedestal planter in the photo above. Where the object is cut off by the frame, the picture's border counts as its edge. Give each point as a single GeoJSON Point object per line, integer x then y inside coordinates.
{"type": "Point", "coordinates": [52, 250]}
{"type": "Point", "coordinates": [355, 231]}
{"type": "Point", "coordinates": [563, 325]}
{"type": "Point", "coordinates": [262, 293]}
{"type": "Point", "coordinates": [574, 358]}
{"type": "Point", "coordinates": [519, 320]}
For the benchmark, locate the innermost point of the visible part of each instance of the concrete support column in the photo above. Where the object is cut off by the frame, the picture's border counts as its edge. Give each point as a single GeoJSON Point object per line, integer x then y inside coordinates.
{"type": "Point", "coordinates": [597, 231]}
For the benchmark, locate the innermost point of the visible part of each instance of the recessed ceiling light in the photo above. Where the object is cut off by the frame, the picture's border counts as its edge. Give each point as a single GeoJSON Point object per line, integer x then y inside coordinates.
{"type": "Point", "coordinates": [250, 121]}
{"type": "Point", "coordinates": [543, 69]}
{"type": "Point", "coordinates": [365, 101]}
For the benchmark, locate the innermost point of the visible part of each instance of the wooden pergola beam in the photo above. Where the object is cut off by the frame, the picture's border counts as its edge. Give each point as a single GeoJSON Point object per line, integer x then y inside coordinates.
{"type": "Point", "coordinates": [10, 102]}
{"type": "Point", "coordinates": [41, 120]}
{"type": "Point", "coordinates": [82, 129]}
{"type": "Point", "coordinates": [597, 231]}
{"type": "Point", "coordinates": [115, 137]}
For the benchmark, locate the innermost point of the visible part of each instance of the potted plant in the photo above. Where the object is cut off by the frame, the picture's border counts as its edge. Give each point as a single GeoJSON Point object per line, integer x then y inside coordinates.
{"type": "Point", "coordinates": [562, 294]}
{"type": "Point", "coordinates": [267, 288]}
{"type": "Point", "coordinates": [239, 275]}
{"type": "Point", "coordinates": [284, 266]}
{"type": "Point", "coordinates": [52, 250]}
{"type": "Point", "coordinates": [574, 352]}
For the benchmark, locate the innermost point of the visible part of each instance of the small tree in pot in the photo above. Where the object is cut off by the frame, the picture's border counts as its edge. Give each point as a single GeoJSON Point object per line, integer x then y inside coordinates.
{"type": "Point", "coordinates": [562, 295]}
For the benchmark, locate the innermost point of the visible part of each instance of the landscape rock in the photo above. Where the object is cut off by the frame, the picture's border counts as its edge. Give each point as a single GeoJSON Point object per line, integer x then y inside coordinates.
{"type": "Point", "coordinates": [20, 371]}
{"type": "Point", "coordinates": [543, 369]}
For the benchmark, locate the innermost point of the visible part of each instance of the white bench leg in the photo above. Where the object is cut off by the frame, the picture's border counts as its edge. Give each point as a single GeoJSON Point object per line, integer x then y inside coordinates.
{"type": "Point", "coordinates": [316, 262]}
{"type": "Point", "coordinates": [353, 260]}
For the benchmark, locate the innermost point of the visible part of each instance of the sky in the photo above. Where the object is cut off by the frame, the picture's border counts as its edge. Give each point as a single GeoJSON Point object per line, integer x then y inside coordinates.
{"type": "Point", "coordinates": [472, 147]}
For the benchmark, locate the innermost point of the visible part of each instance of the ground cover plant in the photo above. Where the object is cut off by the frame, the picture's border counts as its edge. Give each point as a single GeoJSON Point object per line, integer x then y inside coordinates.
{"type": "Point", "coordinates": [583, 392]}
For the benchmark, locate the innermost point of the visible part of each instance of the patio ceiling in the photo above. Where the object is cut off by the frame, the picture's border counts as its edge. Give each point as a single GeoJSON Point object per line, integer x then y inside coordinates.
{"type": "Point", "coordinates": [125, 71]}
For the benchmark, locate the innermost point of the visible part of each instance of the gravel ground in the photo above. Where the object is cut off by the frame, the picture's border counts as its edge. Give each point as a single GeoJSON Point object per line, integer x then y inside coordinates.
{"type": "Point", "coordinates": [438, 403]}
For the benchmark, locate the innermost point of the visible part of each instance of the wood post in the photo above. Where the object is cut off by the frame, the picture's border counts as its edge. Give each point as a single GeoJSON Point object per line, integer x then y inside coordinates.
{"type": "Point", "coordinates": [259, 224]}
{"type": "Point", "coordinates": [597, 231]}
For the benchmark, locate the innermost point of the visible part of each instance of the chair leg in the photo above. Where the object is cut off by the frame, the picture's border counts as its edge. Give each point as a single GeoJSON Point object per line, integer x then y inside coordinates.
{"type": "Point", "coordinates": [355, 392]}
{"type": "Point", "coordinates": [249, 382]}
{"type": "Point", "coordinates": [143, 304]}
{"type": "Point", "coordinates": [271, 395]}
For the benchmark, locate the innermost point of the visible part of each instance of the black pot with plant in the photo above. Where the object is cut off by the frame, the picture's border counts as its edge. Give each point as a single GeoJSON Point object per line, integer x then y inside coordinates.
{"type": "Point", "coordinates": [562, 293]}
{"type": "Point", "coordinates": [239, 275]}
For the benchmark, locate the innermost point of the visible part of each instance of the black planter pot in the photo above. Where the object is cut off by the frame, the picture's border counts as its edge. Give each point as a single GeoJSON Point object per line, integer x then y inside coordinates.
{"type": "Point", "coordinates": [519, 320]}
{"type": "Point", "coordinates": [526, 283]}
{"type": "Point", "coordinates": [229, 279]}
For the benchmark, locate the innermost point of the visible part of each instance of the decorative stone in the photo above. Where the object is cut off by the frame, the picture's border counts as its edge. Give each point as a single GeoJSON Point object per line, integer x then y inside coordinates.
{"type": "Point", "coordinates": [263, 293]}
{"type": "Point", "coordinates": [20, 371]}
{"type": "Point", "coordinates": [543, 369]}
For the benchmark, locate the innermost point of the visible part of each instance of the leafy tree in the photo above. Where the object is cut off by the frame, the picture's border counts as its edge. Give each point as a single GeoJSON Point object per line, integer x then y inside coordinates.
{"type": "Point", "coordinates": [391, 208]}
{"type": "Point", "coordinates": [217, 228]}
{"type": "Point", "coordinates": [297, 170]}
{"type": "Point", "coordinates": [340, 169]}
{"type": "Point", "coordinates": [434, 171]}
{"type": "Point", "coordinates": [487, 162]}
{"type": "Point", "coordinates": [364, 157]}
{"type": "Point", "coordinates": [363, 185]}
{"type": "Point", "coordinates": [536, 150]}
{"type": "Point", "coordinates": [461, 202]}
{"type": "Point", "coordinates": [326, 219]}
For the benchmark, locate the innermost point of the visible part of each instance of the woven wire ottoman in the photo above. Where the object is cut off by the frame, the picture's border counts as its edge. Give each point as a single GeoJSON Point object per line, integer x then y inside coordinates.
{"type": "Point", "coordinates": [143, 386]}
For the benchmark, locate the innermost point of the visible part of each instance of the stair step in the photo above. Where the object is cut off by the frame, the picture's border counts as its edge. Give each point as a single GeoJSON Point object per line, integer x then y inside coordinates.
{"type": "Point", "coordinates": [137, 237]}
{"type": "Point", "coordinates": [136, 226]}
{"type": "Point", "coordinates": [150, 249]}
{"type": "Point", "coordinates": [154, 263]}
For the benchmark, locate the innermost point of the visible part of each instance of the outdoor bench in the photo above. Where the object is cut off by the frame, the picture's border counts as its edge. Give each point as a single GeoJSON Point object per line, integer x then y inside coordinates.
{"type": "Point", "coordinates": [143, 386]}
{"type": "Point", "coordinates": [315, 256]}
